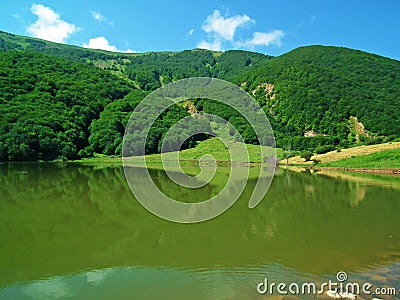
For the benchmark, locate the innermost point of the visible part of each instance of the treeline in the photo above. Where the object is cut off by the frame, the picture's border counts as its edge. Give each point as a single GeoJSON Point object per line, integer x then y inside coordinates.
{"type": "Point", "coordinates": [47, 105]}
{"type": "Point", "coordinates": [148, 70]}
{"type": "Point", "coordinates": [107, 132]}
{"type": "Point", "coordinates": [9, 41]}
{"type": "Point", "coordinates": [56, 104]}
{"type": "Point", "coordinates": [318, 88]}
{"type": "Point", "coordinates": [54, 108]}
{"type": "Point", "coordinates": [153, 70]}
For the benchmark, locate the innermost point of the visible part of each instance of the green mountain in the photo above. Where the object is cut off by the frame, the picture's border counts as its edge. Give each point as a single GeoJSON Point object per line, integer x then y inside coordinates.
{"type": "Point", "coordinates": [336, 94]}
{"type": "Point", "coordinates": [65, 101]}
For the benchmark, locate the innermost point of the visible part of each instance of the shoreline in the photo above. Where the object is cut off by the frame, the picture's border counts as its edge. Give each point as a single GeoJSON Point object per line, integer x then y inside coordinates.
{"type": "Point", "coordinates": [387, 171]}
{"type": "Point", "coordinates": [384, 171]}
{"type": "Point", "coordinates": [193, 163]}
{"type": "Point", "coordinates": [223, 163]}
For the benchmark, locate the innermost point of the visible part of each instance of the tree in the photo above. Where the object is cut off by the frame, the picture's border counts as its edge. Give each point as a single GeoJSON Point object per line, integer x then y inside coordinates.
{"type": "Point", "coordinates": [306, 155]}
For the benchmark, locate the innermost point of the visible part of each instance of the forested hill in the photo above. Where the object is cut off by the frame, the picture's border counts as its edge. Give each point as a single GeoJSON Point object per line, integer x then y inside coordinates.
{"type": "Point", "coordinates": [62, 101]}
{"type": "Point", "coordinates": [148, 70]}
{"type": "Point", "coordinates": [47, 104]}
{"type": "Point", "coordinates": [340, 96]}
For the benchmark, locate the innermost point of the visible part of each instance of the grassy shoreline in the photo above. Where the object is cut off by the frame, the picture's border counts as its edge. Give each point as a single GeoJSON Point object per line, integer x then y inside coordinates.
{"type": "Point", "coordinates": [242, 153]}
{"type": "Point", "coordinates": [344, 154]}
{"type": "Point", "coordinates": [380, 159]}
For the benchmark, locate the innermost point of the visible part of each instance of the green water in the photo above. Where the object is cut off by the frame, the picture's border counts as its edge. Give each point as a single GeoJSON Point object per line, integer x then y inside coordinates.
{"type": "Point", "coordinates": [76, 232]}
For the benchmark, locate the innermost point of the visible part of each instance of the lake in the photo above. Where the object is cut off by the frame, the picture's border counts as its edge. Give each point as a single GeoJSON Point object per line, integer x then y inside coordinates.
{"type": "Point", "coordinates": [77, 232]}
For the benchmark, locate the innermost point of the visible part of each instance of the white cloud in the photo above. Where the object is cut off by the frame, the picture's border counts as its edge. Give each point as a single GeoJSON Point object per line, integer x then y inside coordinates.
{"type": "Point", "coordinates": [97, 16]}
{"type": "Point", "coordinates": [189, 34]}
{"type": "Point", "coordinates": [313, 19]}
{"type": "Point", "coordinates": [215, 45]}
{"type": "Point", "coordinates": [102, 43]}
{"type": "Point", "coordinates": [49, 25]}
{"type": "Point", "coordinates": [221, 31]}
{"type": "Point", "coordinates": [264, 39]}
{"type": "Point", "coordinates": [224, 27]}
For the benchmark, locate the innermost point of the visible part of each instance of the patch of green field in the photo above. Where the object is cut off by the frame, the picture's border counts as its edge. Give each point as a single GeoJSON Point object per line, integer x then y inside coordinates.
{"type": "Point", "coordinates": [189, 158]}
{"type": "Point", "coordinates": [220, 152]}
{"type": "Point", "coordinates": [379, 160]}
{"type": "Point", "coordinates": [211, 146]}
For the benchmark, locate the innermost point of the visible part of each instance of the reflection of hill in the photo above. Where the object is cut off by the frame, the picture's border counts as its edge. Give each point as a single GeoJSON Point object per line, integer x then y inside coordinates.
{"type": "Point", "coordinates": [57, 221]}
{"type": "Point", "coordinates": [389, 181]}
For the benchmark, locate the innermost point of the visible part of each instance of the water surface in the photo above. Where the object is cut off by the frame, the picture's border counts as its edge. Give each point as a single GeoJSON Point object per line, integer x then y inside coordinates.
{"type": "Point", "coordinates": [77, 232]}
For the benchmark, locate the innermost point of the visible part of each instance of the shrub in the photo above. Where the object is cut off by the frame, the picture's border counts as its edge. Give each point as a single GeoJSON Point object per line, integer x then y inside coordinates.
{"type": "Point", "coordinates": [315, 162]}
{"type": "Point", "coordinates": [323, 149]}
{"type": "Point", "coordinates": [306, 155]}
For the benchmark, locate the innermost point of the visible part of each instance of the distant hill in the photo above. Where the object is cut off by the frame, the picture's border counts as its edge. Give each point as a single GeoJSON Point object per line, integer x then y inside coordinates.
{"type": "Point", "coordinates": [10, 41]}
{"type": "Point", "coordinates": [149, 70]}
{"type": "Point", "coordinates": [329, 92]}
{"type": "Point", "coordinates": [65, 101]}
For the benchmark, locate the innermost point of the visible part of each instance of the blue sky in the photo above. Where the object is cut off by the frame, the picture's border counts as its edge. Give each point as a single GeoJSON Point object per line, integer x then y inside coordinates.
{"type": "Point", "coordinates": [270, 27]}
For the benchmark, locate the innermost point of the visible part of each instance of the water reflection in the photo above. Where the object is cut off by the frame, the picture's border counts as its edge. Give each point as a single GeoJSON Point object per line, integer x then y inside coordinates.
{"type": "Point", "coordinates": [78, 231]}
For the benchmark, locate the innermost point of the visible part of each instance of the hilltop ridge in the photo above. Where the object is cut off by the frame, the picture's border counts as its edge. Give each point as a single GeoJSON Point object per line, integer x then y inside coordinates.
{"type": "Point", "coordinates": [75, 101]}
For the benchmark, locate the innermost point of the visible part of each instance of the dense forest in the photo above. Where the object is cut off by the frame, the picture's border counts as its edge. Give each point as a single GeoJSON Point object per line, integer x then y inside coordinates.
{"type": "Point", "coordinates": [62, 101]}
{"type": "Point", "coordinates": [48, 104]}
{"type": "Point", "coordinates": [322, 88]}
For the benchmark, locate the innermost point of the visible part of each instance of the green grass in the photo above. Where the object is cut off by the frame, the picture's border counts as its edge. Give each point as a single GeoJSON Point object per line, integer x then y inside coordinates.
{"type": "Point", "coordinates": [211, 146]}
{"type": "Point", "coordinates": [380, 160]}
{"type": "Point", "coordinates": [218, 150]}
{"type": "Point", "coordinates": [189, 158]}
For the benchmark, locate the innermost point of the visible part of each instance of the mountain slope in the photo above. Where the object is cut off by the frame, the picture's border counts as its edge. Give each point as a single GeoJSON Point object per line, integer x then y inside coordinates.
{"type": "Point", "coordinates": [147, 70]}
{"type": "Point", "coordinates": [48, 103]}
{"type": "Point", "coordinates": [66, 101]}
{"type": "Point", "coordinates": [320, 88]}
{"type": "Point", "coordinates": [9, 41]}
